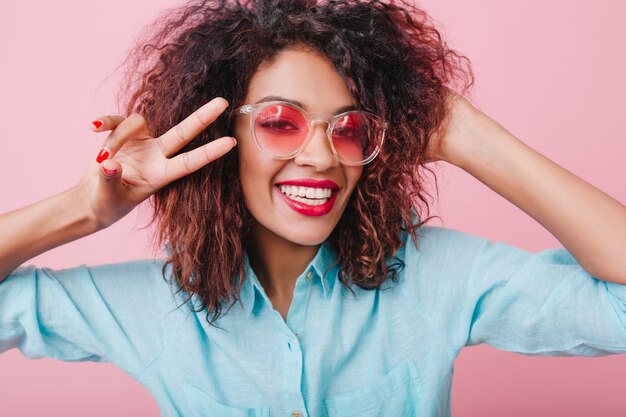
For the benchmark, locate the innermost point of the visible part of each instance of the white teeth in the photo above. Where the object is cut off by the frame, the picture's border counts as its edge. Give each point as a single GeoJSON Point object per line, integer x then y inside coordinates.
{"type": "Point", "coordinates": [309, 201]}
{"type": "Point", "coordinates": [311, 194]}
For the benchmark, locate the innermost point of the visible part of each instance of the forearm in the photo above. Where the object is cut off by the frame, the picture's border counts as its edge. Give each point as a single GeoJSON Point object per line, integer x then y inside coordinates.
{"type": "Point", "coordinates": [590, 224]}
{"type": "Point", "coordinates": [31, 230]}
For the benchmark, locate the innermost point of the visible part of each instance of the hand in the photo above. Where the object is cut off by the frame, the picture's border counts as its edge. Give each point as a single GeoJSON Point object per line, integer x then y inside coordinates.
{"type": "Point", "coordinates": [456, 131]}
{"type": "Point", "coordinates": [139, 164]}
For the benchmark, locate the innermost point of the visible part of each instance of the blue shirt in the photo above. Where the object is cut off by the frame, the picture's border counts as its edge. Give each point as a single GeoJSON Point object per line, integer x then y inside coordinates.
{"type": "Point", "coordinates": [383, 352]}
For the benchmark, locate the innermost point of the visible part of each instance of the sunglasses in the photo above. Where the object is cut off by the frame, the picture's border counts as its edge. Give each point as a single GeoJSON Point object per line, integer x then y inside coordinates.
{"type": "Point", "coordinates": [282, 130]}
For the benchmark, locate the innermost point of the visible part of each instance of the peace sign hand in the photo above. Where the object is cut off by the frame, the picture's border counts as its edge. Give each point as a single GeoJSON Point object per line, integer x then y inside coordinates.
{"type": "Point", "coordinates": [137, 165]}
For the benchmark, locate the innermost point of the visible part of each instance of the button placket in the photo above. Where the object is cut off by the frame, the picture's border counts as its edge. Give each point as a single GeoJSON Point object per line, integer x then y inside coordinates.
{"type": "Point", "coordinates": [293, 364]}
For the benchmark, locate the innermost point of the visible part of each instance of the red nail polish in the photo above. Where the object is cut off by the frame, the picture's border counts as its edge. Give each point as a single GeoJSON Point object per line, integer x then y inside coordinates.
{"type": "Point", "coordinates": [97, 123]}
{"type": "Point", "coordinates": [109, 172]}
{"type": "Point", "coordinates": [104, 154]}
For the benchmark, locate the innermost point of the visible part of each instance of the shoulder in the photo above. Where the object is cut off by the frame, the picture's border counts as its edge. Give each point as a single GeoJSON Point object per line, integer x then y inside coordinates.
{"type": "Point", "coordinates": [437, 268]}
{"type": "Point", "coordinates": [141, 281]}
{"type": "Point", "coordinates": [434, 281]}
{"type": "Point", "coordinates": [145, 281]}
{"type": "Point", "coordinates": [438, 265]}
{"type": "Point", "coordinates": [436, 245]}
{"type": "Point", "coordinates": [133, 274]}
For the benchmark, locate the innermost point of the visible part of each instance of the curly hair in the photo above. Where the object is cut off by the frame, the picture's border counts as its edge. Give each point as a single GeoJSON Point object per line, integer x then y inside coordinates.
{"type": "Point", "coordinates": [394, 63]}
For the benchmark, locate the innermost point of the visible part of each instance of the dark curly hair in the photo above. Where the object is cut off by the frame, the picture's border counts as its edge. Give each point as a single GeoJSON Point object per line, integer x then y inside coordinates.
{"type": "Point", "coordinates": [394, 63]}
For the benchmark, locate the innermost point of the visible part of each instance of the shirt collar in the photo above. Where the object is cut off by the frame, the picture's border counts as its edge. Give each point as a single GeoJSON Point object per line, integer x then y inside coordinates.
{"type": "Point", "coordinates": [253, 296]}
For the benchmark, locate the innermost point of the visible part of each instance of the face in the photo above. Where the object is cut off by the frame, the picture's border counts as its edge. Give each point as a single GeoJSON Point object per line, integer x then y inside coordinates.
{"type": "Point", "coordinates": [269, 185]}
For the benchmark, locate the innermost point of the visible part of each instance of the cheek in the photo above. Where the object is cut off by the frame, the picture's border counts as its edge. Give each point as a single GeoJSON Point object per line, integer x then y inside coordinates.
{"type": "Point", "coordinates": [257, 173]}
{"type": "Point", "coordinates": [248, 173]}
{"type": "Point", "coordinates": [353, 174]}
{"type": "Point", "coordinates": [249, 165]}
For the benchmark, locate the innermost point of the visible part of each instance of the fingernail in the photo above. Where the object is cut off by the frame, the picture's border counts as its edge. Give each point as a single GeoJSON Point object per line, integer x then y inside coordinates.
{"type": "Point", "coordinates": [224, 100]}
{"type": "Point", "coordinates": [104, 154]}
{"type": "Point", "coordinates": [97, 123]}
{"type": "Point", "coordinates": [109, 172]}
{"type": "Point", "coordinates": [234, 141]}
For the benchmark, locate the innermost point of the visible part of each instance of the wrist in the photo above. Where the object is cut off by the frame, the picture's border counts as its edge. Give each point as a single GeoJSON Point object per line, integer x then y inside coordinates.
{"type": "Point", "coordinates": [83, 216]}
{"type": "Point", "coordinates": [468, 135]}
{"type": "Point", "coordinates": [41, 226]}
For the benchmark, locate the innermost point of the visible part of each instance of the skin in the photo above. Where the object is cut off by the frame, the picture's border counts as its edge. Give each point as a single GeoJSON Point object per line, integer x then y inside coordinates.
{"type": "Point", "coordinates": [469, 139]}
{"type": "Point", "coordinates": [279, 233]}
{"type": "Point", "coordinates": [557, 199]}
{"type": "Point", "coordinates": [138, 166]}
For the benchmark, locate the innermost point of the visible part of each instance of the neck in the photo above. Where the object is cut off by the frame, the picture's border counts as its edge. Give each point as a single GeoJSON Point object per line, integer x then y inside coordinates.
{"type": "Point", "coordinates": [277, 262]}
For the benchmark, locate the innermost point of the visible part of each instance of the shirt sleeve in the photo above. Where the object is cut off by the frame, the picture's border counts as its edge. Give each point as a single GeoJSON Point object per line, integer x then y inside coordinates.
{"type": "Point", "coordinates": [116, 313]}
{"type": "Point", "coordinates": [543, 303]}
{"type": "Point", "coordinates": [476, 291]}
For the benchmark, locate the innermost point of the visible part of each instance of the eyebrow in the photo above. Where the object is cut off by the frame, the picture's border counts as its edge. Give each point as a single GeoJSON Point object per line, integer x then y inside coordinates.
{"type": "Point", "coordinates": [297, 103]}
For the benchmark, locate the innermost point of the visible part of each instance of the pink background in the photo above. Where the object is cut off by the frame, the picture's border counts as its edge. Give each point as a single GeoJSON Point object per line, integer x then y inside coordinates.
{"type": "Point", "coordinates": [549, 71]}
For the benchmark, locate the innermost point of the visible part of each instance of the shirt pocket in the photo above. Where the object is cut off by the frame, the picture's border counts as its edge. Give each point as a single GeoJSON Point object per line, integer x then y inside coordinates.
{"type": "Point", "coordinates": [201, 404]}
{"type": "Point", "coordinates": [397, 393]}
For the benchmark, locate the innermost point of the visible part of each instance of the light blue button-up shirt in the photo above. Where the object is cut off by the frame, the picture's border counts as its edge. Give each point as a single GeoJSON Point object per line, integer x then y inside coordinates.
{"type": "Point", "coordinates": [383, 352]}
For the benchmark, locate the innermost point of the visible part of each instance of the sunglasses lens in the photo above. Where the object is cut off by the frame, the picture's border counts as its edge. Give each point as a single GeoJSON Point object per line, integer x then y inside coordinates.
{"type": "Point", "coordinates": [355, 137]}
{"type": "Point", "coordinates": [280, 130]}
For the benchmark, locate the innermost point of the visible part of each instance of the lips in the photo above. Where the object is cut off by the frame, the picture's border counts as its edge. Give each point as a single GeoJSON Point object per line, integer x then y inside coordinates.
{"type": "Point", "coordinates": [308, 209]}
{"type": "Point", "coordinates": [311, 182]}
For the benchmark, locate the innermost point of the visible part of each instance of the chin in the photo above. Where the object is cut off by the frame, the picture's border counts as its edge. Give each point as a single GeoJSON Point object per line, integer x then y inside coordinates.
{"type": "Point", "coordinates": [297, 233]}
{"type": "Point", "coordinates": [306, 237]}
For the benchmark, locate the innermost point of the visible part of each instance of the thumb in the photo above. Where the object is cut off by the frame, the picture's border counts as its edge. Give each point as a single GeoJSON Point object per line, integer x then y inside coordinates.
{"type": "Point", "coordinates": [110, 175]}
{"type": "Point", "coordinates": [110, 200]}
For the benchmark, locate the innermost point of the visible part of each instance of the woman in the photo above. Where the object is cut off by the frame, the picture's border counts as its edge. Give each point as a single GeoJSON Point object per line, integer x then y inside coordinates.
{"type": "Point", "coordinates": [294, 316]}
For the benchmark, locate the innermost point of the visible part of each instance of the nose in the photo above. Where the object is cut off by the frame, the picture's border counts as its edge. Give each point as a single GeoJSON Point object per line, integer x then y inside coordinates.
{"type": "Point", "coordinates": [317, 152]}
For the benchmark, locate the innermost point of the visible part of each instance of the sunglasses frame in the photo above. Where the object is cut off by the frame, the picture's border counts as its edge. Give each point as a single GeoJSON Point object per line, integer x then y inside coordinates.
{"type": "Point", "coordinates": [253, 111]}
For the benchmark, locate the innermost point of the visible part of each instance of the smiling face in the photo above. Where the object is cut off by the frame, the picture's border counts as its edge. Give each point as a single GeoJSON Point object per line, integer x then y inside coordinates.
{"type": "Point", "coordinates": [288, 198]}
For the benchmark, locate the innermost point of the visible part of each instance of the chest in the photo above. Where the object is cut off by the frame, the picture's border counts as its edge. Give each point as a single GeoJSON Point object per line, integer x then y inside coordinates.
{"type": "Point", "coordinates": [327, 358]}
{"type": "Point", "coordinates": [281, 305]}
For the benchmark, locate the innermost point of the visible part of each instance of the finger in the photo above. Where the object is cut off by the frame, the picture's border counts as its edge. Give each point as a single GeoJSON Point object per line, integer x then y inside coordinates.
{"type": "Point", "coordinates": [110, 178]}
{"type": "Point", "coordinates": [110, 169]}
{"type": "Point", "coordinates": [178, 136]}
{"type": "Point", "coordinates": [188, 162]}
{"type": "Point", "coordinates": [133, 127]}
{"type": "Point", "coordinates": [104, 123]}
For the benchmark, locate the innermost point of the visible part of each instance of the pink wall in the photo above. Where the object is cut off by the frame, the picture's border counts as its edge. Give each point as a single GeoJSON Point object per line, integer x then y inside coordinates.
{"type": "Point", "coordinates": [549, 71]}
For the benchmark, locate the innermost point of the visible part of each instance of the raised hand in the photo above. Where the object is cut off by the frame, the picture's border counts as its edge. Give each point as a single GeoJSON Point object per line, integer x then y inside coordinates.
{"type": "Point", "coordinates": [134, 164]}
{"type": "Point", "coordinates": [454, 136]}
{"type": "Point", "coordinates": [550, 194]}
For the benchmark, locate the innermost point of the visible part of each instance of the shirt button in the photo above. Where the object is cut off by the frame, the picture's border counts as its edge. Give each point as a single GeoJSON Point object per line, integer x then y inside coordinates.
{"type": "Point", "coordinates": [296, 413]}
{"type": "Point", "coordinates": [309, 275]}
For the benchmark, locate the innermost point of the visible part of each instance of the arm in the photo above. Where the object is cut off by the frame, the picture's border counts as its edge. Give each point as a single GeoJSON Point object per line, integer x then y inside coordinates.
{"type": "Point", "coordinates": [32, 230]}
{"type": "Point", "coordinates": [65, 314]}
{"type": "Point", "coordinates": [550, 194]}
{"type": "Point", "coordinates": [106, 194]}
{"type": "Point", "coordinates": [477, 291]}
